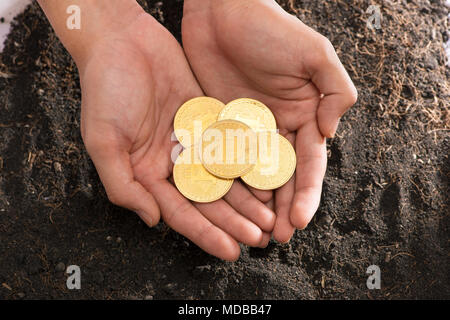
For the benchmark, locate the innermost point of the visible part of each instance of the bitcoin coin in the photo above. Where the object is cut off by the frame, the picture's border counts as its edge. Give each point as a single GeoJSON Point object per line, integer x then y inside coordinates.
{"type": "Point", "coordinates": [276, 162]}
{"type": "Point", "coordinates": [229, 149]}
{"type": "Point", "coordinates": [194, 182]}
{"type": "Point", "coordinates": [251, 112]}
{"type": "Point", "coordinates": [194, 117]}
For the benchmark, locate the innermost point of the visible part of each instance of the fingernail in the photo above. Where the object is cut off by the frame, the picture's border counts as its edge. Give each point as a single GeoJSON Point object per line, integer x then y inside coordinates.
{"type": "Point", "coordinates": [145, 218]}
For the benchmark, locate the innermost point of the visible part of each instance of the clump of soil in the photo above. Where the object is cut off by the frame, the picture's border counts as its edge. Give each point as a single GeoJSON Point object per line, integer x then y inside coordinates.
{"type": "Point", "coordinates": [385, 197]}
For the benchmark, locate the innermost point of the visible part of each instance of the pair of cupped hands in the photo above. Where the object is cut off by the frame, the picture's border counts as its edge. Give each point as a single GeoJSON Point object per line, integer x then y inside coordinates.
{"type": "Point", "coordinates": [135, 79]}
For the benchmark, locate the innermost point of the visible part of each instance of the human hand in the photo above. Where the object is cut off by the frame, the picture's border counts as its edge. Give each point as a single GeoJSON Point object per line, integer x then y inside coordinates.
{"type": "Point", "coordinates": [133, 80]}
{"type": "Point", "coordinates": [255, 49]}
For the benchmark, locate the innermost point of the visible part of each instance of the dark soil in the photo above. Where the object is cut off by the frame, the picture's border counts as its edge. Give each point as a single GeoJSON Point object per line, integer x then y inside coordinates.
{"type": "Point", "coordinates": [385, 198]}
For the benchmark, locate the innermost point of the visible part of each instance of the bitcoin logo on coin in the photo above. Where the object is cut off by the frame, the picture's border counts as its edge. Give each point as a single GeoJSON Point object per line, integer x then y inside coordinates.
{"type": "Point", "coordinates": [229, 149]}
{"type": "Point", "coordinates": [195, 182]}
{"type": "Point", "coordinates": [276, 162]}
{"type": "Point", "coordinates": [194, 117]}
{"type": "Point", "coordinates": [251, 112]}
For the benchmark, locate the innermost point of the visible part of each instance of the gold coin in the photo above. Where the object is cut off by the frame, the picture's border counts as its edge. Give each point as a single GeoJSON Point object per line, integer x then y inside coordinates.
{"type": "Point", "coordinates": [276, 162]}
{"type": "Point", "coordinates": [194, 117]}
{"type": "Point", "coordinates": [194, 182]}
{"type": "Point", "coordinates": [229, 149]}
{"type": "Point", "coordinates": [253, 113]}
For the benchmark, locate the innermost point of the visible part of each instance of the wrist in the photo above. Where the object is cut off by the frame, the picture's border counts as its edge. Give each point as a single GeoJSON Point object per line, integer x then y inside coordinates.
{"type": "Point", "coordinates": [192, 7]}
{"type": "Point", "coordinates": [99, 19]}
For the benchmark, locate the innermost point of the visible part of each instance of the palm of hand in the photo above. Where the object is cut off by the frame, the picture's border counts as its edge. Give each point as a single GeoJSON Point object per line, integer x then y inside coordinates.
{"type": "Point", "coordinates": [131, 117]}
{"type": "Point", "coordinates": [251, 52]}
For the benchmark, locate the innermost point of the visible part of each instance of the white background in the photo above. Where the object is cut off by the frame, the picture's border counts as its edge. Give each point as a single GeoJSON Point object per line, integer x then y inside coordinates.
{"type": "Point", "coordinates": [8, 10]}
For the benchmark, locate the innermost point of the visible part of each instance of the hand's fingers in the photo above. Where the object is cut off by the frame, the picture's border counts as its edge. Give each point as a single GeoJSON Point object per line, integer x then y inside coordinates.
{"type": "Point", "coordinates": [226, 218]}
{"type": "Point", "coordinates": [114, 168]}
{"type": "Point", "coordinates": [244, 202]}
{"type": "Point", "coordinates": [181, 216]}
{"type": "Point", "coordinates": [271, 204]}
{"type": "Point", "coordinates": [262, 195]}
{"type": "Point", "coordinates": [284, 230]}
{"type": "Point", "coordinates": [265, 240]}
{"type": "Point", "coordinates": [330, 77]}
{"type": "Point", "coordinates": [311, 167]}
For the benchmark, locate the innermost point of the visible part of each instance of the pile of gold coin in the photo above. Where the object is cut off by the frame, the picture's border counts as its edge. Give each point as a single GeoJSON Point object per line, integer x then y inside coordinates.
{"type": "Point", "coordinates": [224, 142]}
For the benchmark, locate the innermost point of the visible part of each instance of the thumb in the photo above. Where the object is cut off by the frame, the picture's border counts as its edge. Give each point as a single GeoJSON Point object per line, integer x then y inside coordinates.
{"type": "Point", "coordinates": [114, 168]}
{"type": "Point", "coordinates": [331, 108]}
{"type": "Point", "coordinates": [334, 83]}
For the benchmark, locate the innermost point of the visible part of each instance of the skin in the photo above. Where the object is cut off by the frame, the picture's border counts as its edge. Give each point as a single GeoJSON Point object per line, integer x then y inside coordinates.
{"type": "Point", "coordinates": [255, 49]}
{"type": "Point", "coordinates": [134, 76]}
